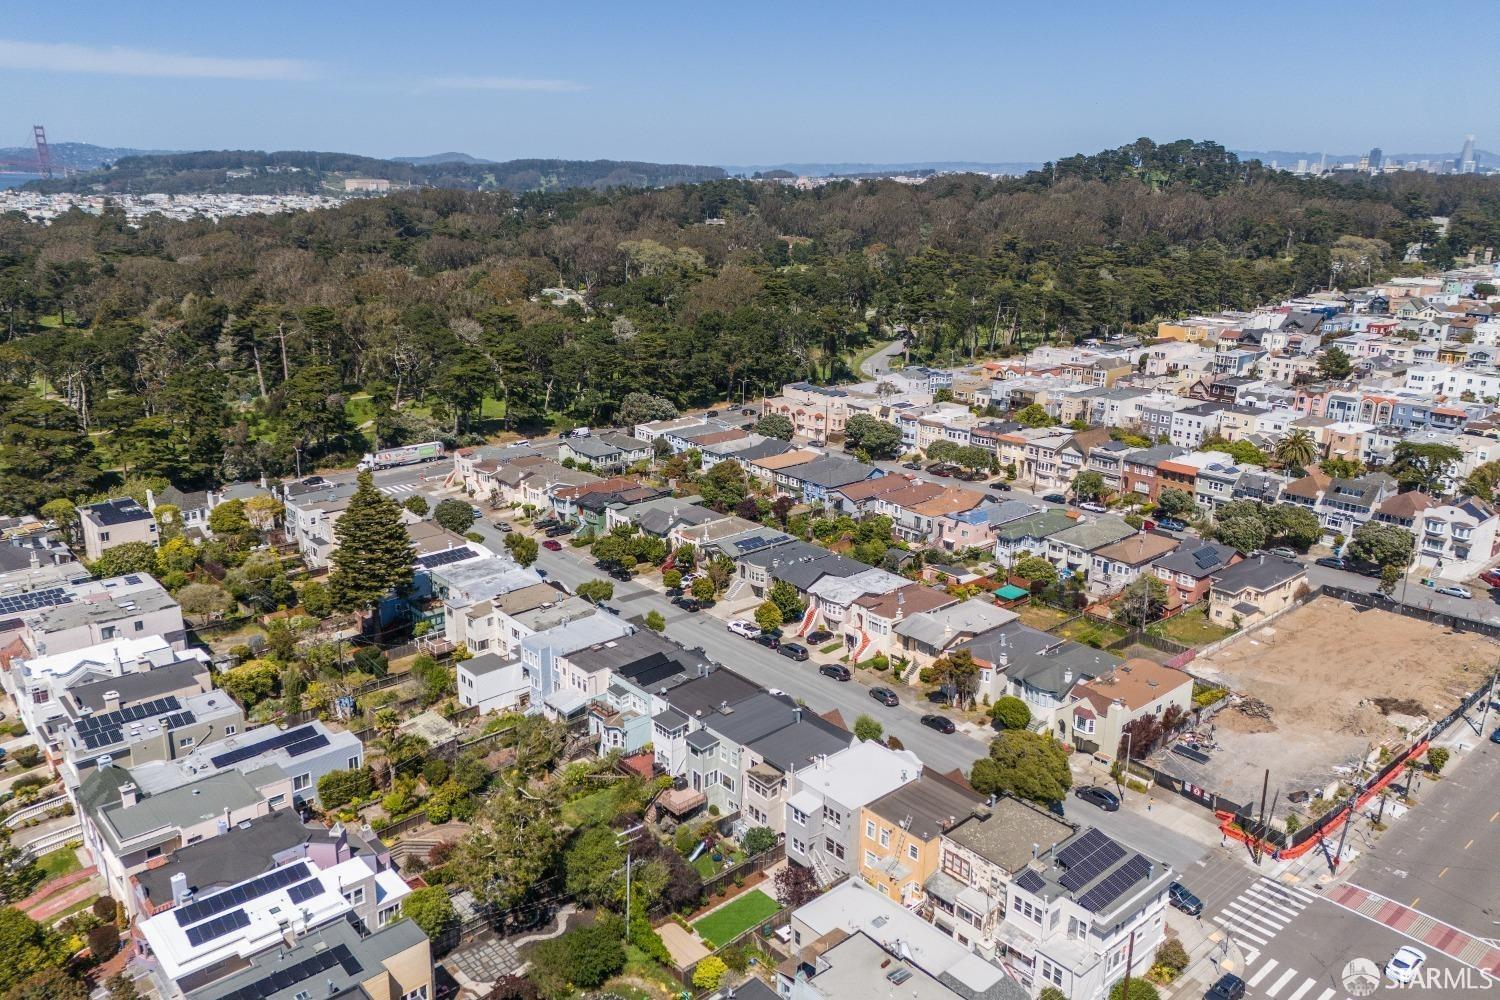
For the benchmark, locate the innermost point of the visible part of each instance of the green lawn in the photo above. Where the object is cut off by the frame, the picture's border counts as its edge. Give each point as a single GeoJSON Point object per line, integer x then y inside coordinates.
{"type": "Point", "coordinates": [1041, 616]}
{"type": "Point", "coordinates": [1192, 628]}
{"type": "Point", "coordinates": [733, 919]}
{"type": "Point", "coordinates": [708, 868]}
{"type": "Point", "coordinates": [601, 806]}
{"type": "Point", "coordinates": [1092, 633]}
{"type": "Point", "coordinates": [59, 862]}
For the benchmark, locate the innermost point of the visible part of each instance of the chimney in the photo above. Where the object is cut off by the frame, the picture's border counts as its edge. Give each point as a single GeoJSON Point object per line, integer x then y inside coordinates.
{"type": "Point", "coordinates": [150, 499]}
{"type": "Point", "coordinates": [112, 698]}
{"type": "Point", "coordinates": [1068, 676]}
{"type": "Point", "coordinates": [128, 795]}
{"type": "Point", "coordinates": [179, 889]}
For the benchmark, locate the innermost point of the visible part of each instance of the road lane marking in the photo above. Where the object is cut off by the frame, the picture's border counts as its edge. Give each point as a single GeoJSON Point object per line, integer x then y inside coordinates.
{"type": "Point", "coordinates": [1413, 903]}
{"type": "Point", "coordinates": [1251, 954]}
{"type": "Point", "coordinates": [1295, 891]}
{"type": "Point", "coordinates": [1264, 924]}
{"type": "Point", "coordinates": [1307, 984]}
{"type": "Point", "coordinates": [1497, 814]}
{"type": "Point", "coordinates": [1265, 970]}
{"type": "Point", "coordinates": [1468, 845]}
{"type": "Point", "coordinates": [1442, 873]}
{"type": "Point", "coordinates": [1274, 903]}
{"type": "Point", "coordinates": [1275, 987]}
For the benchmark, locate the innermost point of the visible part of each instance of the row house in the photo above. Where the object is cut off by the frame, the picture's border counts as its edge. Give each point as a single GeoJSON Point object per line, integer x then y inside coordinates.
{"type": "Point", "coordinates": [919, 520]}
{"type": "Point", "coordinates": [1139, 472]}
{"type": "Point", "coordinates": [830, 599]}
{"type": "Point", "coordinates": [80, 615]}
{"type": "Point", "coordinates": [870, 628]}
{"type": "Point", "coordinates": [1029, 534]}
{"type": "Point", "coordinates": [901, 841]}
{"type": "Point", "coordinates": [823, 826]}
{"type": "Point", "coordinates": [1155, 418]}
{"type": "Point", "coordinates": [978, 527]}
{"type": "Point", "coordinates": [930, 635]}
{"type": "Point", "coordinates": [1036, 667]}
{"type": "Point", "coordinates": [814, 481]}
{"type": "Point", "coordinates": [1191, 425]}
{"type": "Point", "coordinates": [815, 411]}
{"type": "Point", "coordinates": [1104, 706]}
{"type": "Point", "coordinates": [856, 499]}
{"type": "Point", "coordinates": [1108, 460]}
{"type": "Point", "coordinates": [1458, 539]}
{"type": "Point", "coordinates": [1255, 589]}
{"type": "Point", "coordinates": [606, 452]}
{"type": "Point", "coordinates": [1114, 567]}
{"type": "Point", "coordinates": [1215, 484]}
{"type": "Point", "coordinates": [1188, 571]}
{"type": "Point", "coordinates": [1071, 550]}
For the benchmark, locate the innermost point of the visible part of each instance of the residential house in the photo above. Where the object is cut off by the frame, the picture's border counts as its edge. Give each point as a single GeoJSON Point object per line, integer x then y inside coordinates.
{"type": "Point", "coordinates": [816, 411]}
{"type": "Point", "coordinates": [978, 527]}
{"type": "Point", "coordinates": [1029, 534]}
{"type": "Point", "coordinates": [1140, 469]}
{"type": "Point", "coordinates": [798, 563]}
{"type": "Point", "coordinates": [831, 597]}
{"type": "Point", "coordinates": [1105, 705]}
{"type": "Point", "coordinates": [1036, 667]}
{"type": "Point", "coordinates": [823, 828]}
{"type": "Point", "coordinates": [930, 635]}
{"type": "Point", "coordinates": [917, 512]}
{"type": "Point", "coordinates": [1254, 589]}
{"type": "Point", "coordinates": [1115, 566]}
{"type": "Point", "coordinates": [550, 636]}
{"type": "Point", "coordinates": [814, 481]}
{"type": "Point", "coordinates": [1192, 425]}
{"type": "Point", "coordinates": [606, 452]}
{"type": "Point", "coordinates": [902, 834]}
{"type": "Point", "coordinates": [858, 497]}
{"type": "Point", "coordinates": [1459, 539]}
{"type": "Point", "coordinates": [769, 469]}
{"type": "Point", "coordinates": [870, 627]}
{"type": "Point", "coordinates": [493, 683]}
{"type": "Point", "coordinates": [80, 615]}
{"type": "Point", "coordinates": [1071, 550]}
{"type": "Point", "coordinates": [131, 733]}
{"type": "Point", "coordinates": [1189, 570]}
{"type": "Point", "coordinates": [37, 562]}
{"type": "Point", "coordinates": [110, 523]}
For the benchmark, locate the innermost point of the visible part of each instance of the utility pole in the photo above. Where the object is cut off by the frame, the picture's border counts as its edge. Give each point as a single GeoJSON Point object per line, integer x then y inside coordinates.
{"type": "Point", "coordinates": [1359, 780]}
{"type": "Point", "coordinates": [1129, 960]}
{"type": "Point", "coordinates": [627, 837]}
{"type": "Point", "coordinates": [1489, 696]}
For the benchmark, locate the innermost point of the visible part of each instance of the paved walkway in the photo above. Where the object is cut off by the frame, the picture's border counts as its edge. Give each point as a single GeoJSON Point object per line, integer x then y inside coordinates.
{"type": "Point", "coordinates": [63, 901]}
{"type": "Point", "coordinates": [53, 886]}
{"type": "Point", "coordinates": [1418, 926]}
{"type": "Point", "coordinates": [684, 946]}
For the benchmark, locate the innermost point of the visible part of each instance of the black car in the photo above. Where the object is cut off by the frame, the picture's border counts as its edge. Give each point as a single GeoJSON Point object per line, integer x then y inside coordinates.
{"type": "Point", "coordinates": [888, 698]}
{"type": "Point", "coordinates": [1179, 896]}
{"type": "Point", "coordinates": [1332, 562]}
{"type": "Point", "coordinates": [912, 466]}
{"type": "Point", "coordinates": [712, 413]}
{"type": "Point", "coordinates": [690, 604]}
{"type": "Point", "coordinates": [768, 640]}
{"type": "Point", "coordinates": [819, 636]}
{"type": "Point", "coordinates": [1229, 987]}
{"type": "Point", "coordinates": [1000, 487]}
{"type": "Point", "coordinates": [941, 723]}
{"type": "Point", "coordinates": [837, 671]}
{"type": "Point", "coordinates": [620, 574]}
{"type": "Point", "coordinates": [546, 522]}
{"type": "Point", "coordinates": [1055, 498]}
{"type": "Point", "coordinates": [558, 531]}
{"type": "Point", "coordinates": [793, 651]}
{"type": "Point", "coordinates": [1101, 797]}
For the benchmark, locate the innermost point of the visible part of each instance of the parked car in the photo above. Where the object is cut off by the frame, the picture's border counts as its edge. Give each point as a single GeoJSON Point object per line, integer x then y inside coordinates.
{"type": "Point", "coordinates": [912, 466]}
{"type": "Point", "coordinates": [1229, 987]}
{"type": "Point", "coordinates": [1000, 486]}
{"type": "Point", "coordinates": [558, 531]}
{"type": "Point", "coordinates": [743, 629]}
{"type": "Point", "coordinates": [1495, 736]}
{"type": "Point", "coordinates": [940, 470]}
{"type": "Point", "coordinates": [1331, 562]}
{"type": "Point", "coordinates": [478, 514]}
{"type": "Point", "coordinates": [712, 413]}
{"type": "Point", "coordinates": [1055, 498]}
{"type": "Point", "coordinates": [746, 411]}
{"type": "Point", "coordinates": [1089, 505]}
{"type": "Point", "coordinates": [821, 635]}
{"type": "Point", "coordinates": [1283, 552]}
{"type": "Point", "coordinates": [888, 698]}
{"type": "Point", "coordinates": [690, 604]}
{"type": "Point", "coordinates": [1179, 896]}
{"type": "Point", "coordinates": [793, 651]}
{"type": "Point", "coordinates": [1490, 577]}
{"type": "Point", "coordinates": [503, 527]}
{"type": "Point", "coordinates": [1101, 797]}
{"type": "Point", "coordinates": [1171, 524]}
{"type": "Point", "coordinates": [837, 671]}
{"type": "Point", "coordinates": [1405, 964]}
{"type": "Point", "coordinates": [941, 723]}
{"type": "Point", "coordinates": [545, 523]}
{"type": "Point", "coordinates": [768, 640]}
{"type": "Point", "coordinates": [552, 545]}
{"type": "Point", "coordinates": [620, 573]}
{"type": "Point", "coordinates": [1458, 592]}
{"type": "Point", "coordinates": [970, 475]}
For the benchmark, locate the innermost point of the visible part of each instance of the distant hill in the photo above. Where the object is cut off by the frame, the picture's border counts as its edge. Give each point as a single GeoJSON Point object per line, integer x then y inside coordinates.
{"type": "Point", "coordinates": [293, 171]}
{"type": "Point", "coordinates": [76, 155]}
{"type": "Point", "coordinates": [1015, 168]}
{"type": "Point", "coordinates": [440, 158]}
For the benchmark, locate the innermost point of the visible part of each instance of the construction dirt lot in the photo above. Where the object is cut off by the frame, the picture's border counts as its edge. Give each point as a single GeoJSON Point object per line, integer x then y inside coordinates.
{"type": "Point", "coordinates": [1332, 680]}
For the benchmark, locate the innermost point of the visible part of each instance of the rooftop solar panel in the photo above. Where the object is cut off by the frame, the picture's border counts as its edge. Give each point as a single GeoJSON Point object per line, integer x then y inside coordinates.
{"type": "Point", "coordinates": [1030, 881]}
{"type": "Point", "coordinates": [208, 906]}
{"type": "Point", "coordinates": [447, 556]}
{"type": "Point", "coordinates": [303, 891]}
{"type": "Point", "coordinates": [282, 739]}
{"type": "Point", "coordinates": [1085, 845]}
{"type": "Point", "coordinates": [225, 923]}
{"type": "Point", "coordinates": [1088, 868]}
{"type": "Point", "coordinates": [134, 713]}
{"type": "Point", "coordinates": [30, 600]}
{"type": "Point", "coordinates": [315, 742]}
{"type": "Point", "coordinates": [291, 975]}
{"type": "Point", "coordinates": [1116, 884]}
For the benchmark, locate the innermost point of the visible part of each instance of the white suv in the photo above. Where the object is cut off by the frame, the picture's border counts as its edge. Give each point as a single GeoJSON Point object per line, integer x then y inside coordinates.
{"type": "Point", "coordinates": [743, 628]}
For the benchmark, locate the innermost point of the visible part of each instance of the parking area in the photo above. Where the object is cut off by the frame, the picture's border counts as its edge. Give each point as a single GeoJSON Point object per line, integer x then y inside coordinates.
{"type": "Point", "coordinates": [1311, 699]}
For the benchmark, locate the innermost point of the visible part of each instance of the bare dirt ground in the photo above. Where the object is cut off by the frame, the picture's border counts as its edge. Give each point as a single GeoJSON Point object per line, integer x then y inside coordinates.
{"type": "Point", "coordinates": [1319, 671]}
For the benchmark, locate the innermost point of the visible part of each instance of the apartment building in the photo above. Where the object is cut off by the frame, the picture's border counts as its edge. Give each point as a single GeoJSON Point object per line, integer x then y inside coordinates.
{"type": "Point", "coordinates": [822, 826]}
{"type": "Point", "coordinates": [297, 755]}
{"type": "Point", "coordinates": [80, 615]}
{"type": "Point", "coordinates": [901, 834]}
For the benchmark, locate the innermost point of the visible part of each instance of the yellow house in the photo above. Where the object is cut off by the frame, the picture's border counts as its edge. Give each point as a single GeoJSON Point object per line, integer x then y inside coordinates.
{"type": "Point", "coordinates": [902, 832]}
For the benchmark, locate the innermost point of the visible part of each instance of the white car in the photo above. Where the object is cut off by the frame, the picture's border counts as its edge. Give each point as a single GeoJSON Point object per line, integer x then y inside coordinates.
{"type": "Point", "coordinates": [1405, 964]}
{"type": "Point", "coordinates": [743, 628]}
{"type": "Point", "coordinates": [1457, 592]}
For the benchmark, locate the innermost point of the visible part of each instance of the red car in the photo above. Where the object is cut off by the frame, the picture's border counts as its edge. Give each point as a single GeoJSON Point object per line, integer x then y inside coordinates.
{"type": "Point", "coordinates": [1491, 577]}
{"type": "Point", "coordinates": [552, 545]}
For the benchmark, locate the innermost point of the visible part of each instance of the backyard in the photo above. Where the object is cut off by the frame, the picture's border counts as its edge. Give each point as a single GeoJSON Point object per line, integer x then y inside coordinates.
{"type": "Point", "coordinates": [1092, 632]}
{"type": "Point", "coordinates": [1042, 616]}
{"type": "Point", "coordinates": [57, 863]}
{"type": "Point", "coordinates": [734, 918]}
{"type": "Point", "coordinates": [707, 867]}
{"type": "Point", "coordinates": [1192, 628]}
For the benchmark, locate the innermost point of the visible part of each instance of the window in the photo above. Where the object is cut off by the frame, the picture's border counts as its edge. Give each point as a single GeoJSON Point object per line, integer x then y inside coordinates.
{"type": "Point", "coordinates": [870, 859]}
{"type": "Point", "coordinates": [277, 801]}
{"type": "Point", "coordinates": [885, 837]}
{"type": "Point", "coordinates": [870, 829]}
{"type": "Point", "coordinates": [355, 896]}
{"type": "Point", "coordinates": [185, 742]}
{"type": "Point", "coordinates": [153, 852]}
{"type": "Point", "coordinates": [302, 782]}
{"type": "Point", "coordinates": [231, 729]}
{"type": "Point", "coordinates": [833, 847]}
{"type": "Point", "coordinates": [140, 626]}
{"type": "Point", "coordinates": [912, 852]}
{"type": "Point", "coordinates": [420, 993]}
{"type": "Point", "coordinates": [302, 995]}
{"type": "Point", "coordinates": [387, 914]}
{"type": "Point", "coordinates": [956, 866]}
{"type": "Point", "coordinates": [833, 817]}
{"type": "Point", "coordinates": [353, 763]}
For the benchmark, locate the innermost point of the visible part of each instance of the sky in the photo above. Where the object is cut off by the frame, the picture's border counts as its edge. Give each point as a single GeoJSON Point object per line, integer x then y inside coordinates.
{"type": "Point", "coordinates": [737, 83]}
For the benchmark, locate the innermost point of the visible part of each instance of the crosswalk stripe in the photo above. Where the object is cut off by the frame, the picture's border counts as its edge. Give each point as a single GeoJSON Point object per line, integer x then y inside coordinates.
{"type": "Point", "coordinates": [1307, 984]}
{"type": "Point", "coordinates": [1275, 987]}
{"type": "Point", "coordinates": [1272, 903]}
{"type": "Point", "coordinates": [1296, 891]}
{"type": "Point", "coordinates": [1326, 994]}
{"type": "Point", "coordinates": [1251, 954]}
{"type": "Point", "coordinates": [1265, 970]}
{"type": "Point", "coordinates": [1242, 932]}
{"type": "Point", "coordinates": [1267, 921]}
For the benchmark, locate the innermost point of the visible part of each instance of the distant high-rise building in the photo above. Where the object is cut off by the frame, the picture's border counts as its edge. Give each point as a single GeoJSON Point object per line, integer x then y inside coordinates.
{"type": "Point", "coordinates": [1375, 160]}
{"type": "Point", "coordinates": [1301, 166]}
{"type": "Point", "coordinates": [1466, 163]}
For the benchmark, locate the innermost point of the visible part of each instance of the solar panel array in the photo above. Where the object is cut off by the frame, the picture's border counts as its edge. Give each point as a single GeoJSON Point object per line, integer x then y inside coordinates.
{"type": "Point", "coordinates": [99, 731]}
{"type": "Point", "coordinates": [1207, 558]}
{"type": "Point", "coordinates": [1091, 866]}
{"type": "Point", "coordinates": [209, 906]}
{"type": "Point", "coordinates": [315, 742]}
{"type": "Point", "coordinates": [1030, 881]}
{"type": "Point", "coordinates": [299, 972]}
{"type": "Point", "coordinates": [1116, 883]}
{"type": "Point", "coordinates": [14, 604]}
{"type": "Point", "coordinates": [282, 739]}
{"type": "Point", "coordinates": [1082, 847]}
{"type": "Point", "coordinates": [434, 559]}
{"type": "Point", "coordinates": [303, 891]}
{"type": "Point", "coordinates": [224, 923]}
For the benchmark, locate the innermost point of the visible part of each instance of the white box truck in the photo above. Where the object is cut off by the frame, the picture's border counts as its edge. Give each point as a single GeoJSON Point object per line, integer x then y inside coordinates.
{"type": "Point", "coordinates": [407, 454]}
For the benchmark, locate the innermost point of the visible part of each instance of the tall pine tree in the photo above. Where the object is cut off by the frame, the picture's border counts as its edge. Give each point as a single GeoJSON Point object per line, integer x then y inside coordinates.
{"type": "Point", "coordinates": [374, 554]}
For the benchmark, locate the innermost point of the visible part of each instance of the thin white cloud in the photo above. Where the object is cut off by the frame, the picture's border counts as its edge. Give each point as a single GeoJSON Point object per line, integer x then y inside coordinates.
{"type": "Point", "coordinates": [119, 61]}
{"type": "Point", "coordinates": [504, 83]}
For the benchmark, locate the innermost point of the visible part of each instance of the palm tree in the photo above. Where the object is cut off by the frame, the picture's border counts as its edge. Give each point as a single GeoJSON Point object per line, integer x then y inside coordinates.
{"type": "Point", "coordinates": [1297, 449]}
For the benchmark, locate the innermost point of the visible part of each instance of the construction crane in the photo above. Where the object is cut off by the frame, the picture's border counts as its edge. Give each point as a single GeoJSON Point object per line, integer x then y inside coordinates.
{"type": "Point", "coordinates": [43, 155]}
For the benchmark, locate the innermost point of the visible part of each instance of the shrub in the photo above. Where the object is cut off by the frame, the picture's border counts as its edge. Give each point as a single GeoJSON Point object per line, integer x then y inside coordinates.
{"type": "Point", "coordinates": [337, 788]}
{"type": "Point", "coordinates": [758, 839]}
{"type": "Point", "coordinates": [27, 757]}
{"type": "Point", "coordinates": [431, 910]}
{"type": "Point", "coordinates": [435, 772]}
{"type": "Point", "coordinates": [644, 937]}
{"type": "Point", "coordinates": [584, 958]}
{"type": "Point", "coordinates": [1172, 955]}
{"type": "Point", "coordinates": [1011, 712]}
{"type": "Point", "coordinates": [104, 941]}
{"type": "Point", "coordinates": [104, 908]}
{"type": "Point", "coordinates": [709, 973]}
{"type": "Point", "coordinates": [1437, 758]}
